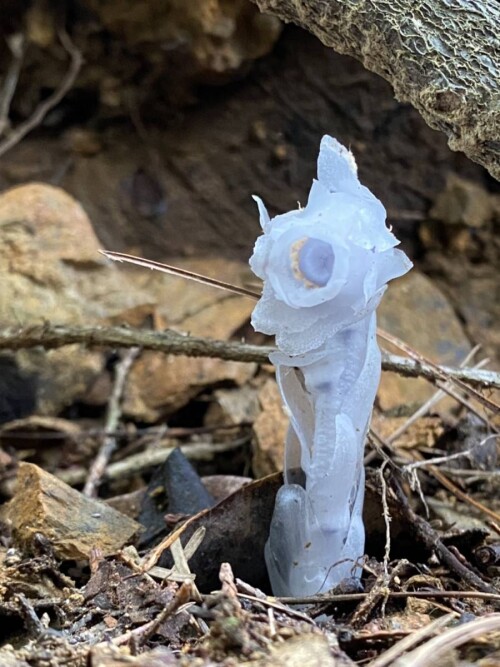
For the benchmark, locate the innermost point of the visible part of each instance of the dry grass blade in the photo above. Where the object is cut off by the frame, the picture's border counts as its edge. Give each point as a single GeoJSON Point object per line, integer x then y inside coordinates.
{"type": "Point", "coordinates": [430, 653]}
{"type": "Point", "coordinates": [175, 271]}
{"type": "Point", "coordinates": [409, 642]}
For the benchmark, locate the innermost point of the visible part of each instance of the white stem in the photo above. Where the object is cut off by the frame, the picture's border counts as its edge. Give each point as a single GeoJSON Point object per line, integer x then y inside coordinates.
{"type": "Point", "coordinates": [317, 533]}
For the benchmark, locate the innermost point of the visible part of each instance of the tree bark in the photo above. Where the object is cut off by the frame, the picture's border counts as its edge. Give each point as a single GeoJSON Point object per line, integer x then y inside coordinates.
{"type": "Point", "coordinates": [442, 56]}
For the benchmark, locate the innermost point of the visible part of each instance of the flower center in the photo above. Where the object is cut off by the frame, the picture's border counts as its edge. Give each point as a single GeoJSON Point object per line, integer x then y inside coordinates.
{"type": "Point", "coordinates": [312, 261]}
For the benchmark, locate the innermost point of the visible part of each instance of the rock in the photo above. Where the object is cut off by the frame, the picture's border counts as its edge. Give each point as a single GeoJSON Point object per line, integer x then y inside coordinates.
{"type": "Point", "coordinates": [232, 406]}
{"type": "Point", "coordinates": [50, 268]}
{"type": "Point", "coordinates": [417, 312]}
{"type": "Point", "coordinates": [73, 524]}
{"type": "Point", "coordinates": [47, 246]}
{"type": "Point", "coordinates": [215, 38]}
{"type": "Point", "coordinates": [158, 384]}
{"type": "Point", "coordinates": [270, 429]}
{"type": "Point", "coordinates": [463, 202]}
{"type": "Point", "coordinates": [104, 656]}
{"type": "Point", "coordinates": [303, 650]}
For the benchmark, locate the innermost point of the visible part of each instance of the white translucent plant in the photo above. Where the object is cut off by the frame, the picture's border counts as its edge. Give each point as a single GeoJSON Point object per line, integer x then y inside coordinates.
{"type": "Point", "coordinates": [325, 268]}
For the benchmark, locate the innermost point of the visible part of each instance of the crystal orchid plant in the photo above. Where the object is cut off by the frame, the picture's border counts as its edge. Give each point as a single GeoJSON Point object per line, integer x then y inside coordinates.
{"type": "Point", "coordinates": [325, 268]}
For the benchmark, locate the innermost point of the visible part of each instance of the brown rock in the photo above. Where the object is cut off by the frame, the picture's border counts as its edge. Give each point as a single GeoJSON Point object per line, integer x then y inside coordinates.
{"type": "Point", "coordinates": [417, 312]}
{"type": "Point", "coordinates": [270, 429]}
{"type": "Point", "coordinates": [50, 268]}
{"type": "Point", "coordinates": [463, 202]}
{"type": "Point", "coordinates": [46, 244]}
{"type": "Point", "coordinates": [74, 524]}
{"type": "Point", "coordinates": [215, 37]}
{"type": "Point", "coordinates": [304, 650]}
{"type": "Point", "coordinates": [233, 406]}
{"type": "Point", "coordinates": [104, 656]}
{"type": "Point", "coordinates": [158, 384]}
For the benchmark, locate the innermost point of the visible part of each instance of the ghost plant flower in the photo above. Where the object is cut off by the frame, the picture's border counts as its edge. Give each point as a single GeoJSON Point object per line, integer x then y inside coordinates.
{"type": "Point", "coordinates": [325, 268]}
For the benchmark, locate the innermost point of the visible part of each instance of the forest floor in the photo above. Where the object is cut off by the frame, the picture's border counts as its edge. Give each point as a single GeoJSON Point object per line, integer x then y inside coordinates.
{"type": "Point", "coordinates": [137, 487]}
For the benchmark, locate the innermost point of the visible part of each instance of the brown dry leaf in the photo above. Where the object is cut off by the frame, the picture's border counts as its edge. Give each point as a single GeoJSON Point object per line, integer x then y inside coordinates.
{"type": "Point", "coordinates": [236, 531]}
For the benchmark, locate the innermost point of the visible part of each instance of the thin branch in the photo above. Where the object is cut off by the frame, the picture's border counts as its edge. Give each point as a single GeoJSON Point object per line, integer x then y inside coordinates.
{"type": "Point", "coordinates": [242, 291]}
{"type": "Point", "coordinates": [16, 44]}
{"type": "Point", "coordinates": [453, 488]}
{"type": "Point", "coordinates": [439, 375]}
{"type": "Point", "coordinates": [172, 342]}
{"type": "Point", "coordinates": [424, 463]}
{"type": "Point", "coordinates": [425, 408]}
{"type": "Point", "coordinates": [109, 444]}
{"type": "Point", "coordinates": [53, 100]}
{"type": "Point", "coordinates": [150, 459]}
{"type": "Point", "coordinates": [334, 598]}
{"type": "Point", "coordinates": [431, 539]}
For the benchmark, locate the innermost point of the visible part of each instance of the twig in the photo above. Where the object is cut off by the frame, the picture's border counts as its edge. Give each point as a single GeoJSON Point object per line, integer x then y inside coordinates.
{"type": "Point", "coordinates": [448, 484]}
{"type": "Point", "coordinates": [379, 592]}
{"type": "Point", "coordinates": [430, 538]}
{"type": "Point", "coordinates": [486, 402]}
{"type": "Point", "coordinates": [438, 372]}
{"type": "Point", "coordinates": [44, 107]}
{"type": "Point", "coordinates": [11, 431]}
{"type": "Point", "coordinates": [435, 398]}
{"type": "Point", "coordinates": [113, 414]}
{"type": "Point", "coordinates": [31, 619]}
{"type": "Point", "coordinates": [16, 45]}
{"type": "Point", "coordinates": [144, 461]}
{"type": "Point", "coordinates": [145, 631]}
{"type": "Point", "coordinates": [430, 653]}
{"type": "Point", "coordinates": [175, 573]}
{"type": "Point", "coordinates": [387, 518]}
{"type": "Point", "coordinates": [182, 596]}
{"type": "Point", "coordinates": [275, 603]}
{"type": "Point", "coordinates": [426, 595]}
{"type": "Point", "coordinates": [449, 457]}
{"type": "Point", "coordinates": [172, 342]}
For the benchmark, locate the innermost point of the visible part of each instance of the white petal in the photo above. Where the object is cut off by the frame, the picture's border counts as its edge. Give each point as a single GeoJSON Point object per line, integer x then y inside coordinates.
{"type": "Point", "coordinates": [337, 168]}
{"type": "Point", "coordinates": [264, 215]}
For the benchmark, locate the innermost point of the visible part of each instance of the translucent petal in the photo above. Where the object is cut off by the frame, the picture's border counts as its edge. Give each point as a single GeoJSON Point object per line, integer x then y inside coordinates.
{"type": "Point", "coordinates": [263, 214]}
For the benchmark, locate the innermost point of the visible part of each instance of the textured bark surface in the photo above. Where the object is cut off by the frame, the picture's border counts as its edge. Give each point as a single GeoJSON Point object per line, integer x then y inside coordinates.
{"type": "Point", "coordinates": [442, 56]}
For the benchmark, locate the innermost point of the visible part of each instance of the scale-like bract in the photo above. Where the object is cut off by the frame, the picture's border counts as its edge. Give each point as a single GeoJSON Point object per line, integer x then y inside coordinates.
{"type": "Point", "coordinates": [325, 268]}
